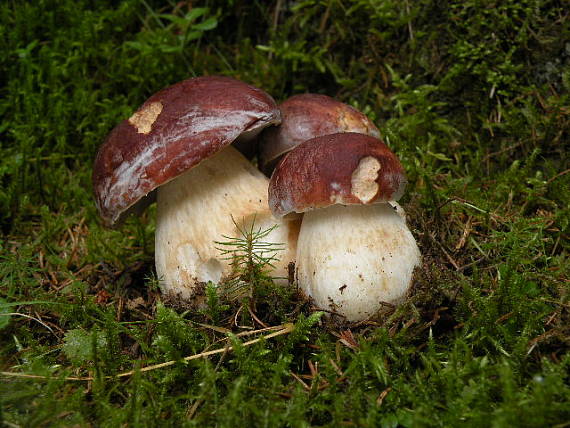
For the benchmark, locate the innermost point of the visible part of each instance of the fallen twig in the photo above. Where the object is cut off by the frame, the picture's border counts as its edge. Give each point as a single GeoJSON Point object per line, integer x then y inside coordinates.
{"type": "Point", "coordinates": [280, 330]}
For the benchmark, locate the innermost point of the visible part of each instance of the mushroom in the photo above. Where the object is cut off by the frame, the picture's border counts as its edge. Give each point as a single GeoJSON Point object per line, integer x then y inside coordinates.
{"type": "Point", "coordinates": [307, 116]}
{"type": "Point", "coordinates": [178, 142]}
{"type": "Point", "coordinates": [354, 250]}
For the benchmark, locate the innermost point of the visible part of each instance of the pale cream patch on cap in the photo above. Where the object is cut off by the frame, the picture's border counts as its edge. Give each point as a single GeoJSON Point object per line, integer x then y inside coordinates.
{"type": "Point", "coordinates": [144, 118]}
{"type": "Point", "coordinates": [363, 180]}
{"type": "Point", "coordinates": [349, 123]}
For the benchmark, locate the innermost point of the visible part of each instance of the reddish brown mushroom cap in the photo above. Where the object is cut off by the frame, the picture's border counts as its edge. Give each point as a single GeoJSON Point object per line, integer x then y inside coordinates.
{"type": "Point", "coordinates": [170, 133]}
{"type": "Point", "coordinates": [344, 168]}
{"type": "Point", "coordinates": [308, 116]}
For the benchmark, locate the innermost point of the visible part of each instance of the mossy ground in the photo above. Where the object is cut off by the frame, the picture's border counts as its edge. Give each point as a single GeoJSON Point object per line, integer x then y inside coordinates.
{"type": "Point", "coordinates": [473, 97]}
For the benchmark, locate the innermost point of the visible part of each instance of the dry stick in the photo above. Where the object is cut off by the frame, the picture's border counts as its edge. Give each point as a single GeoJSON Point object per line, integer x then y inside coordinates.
{"type": "Point", "coordinates": [410, 29]}
{"type": "Point", "coordinates": [325, 18]}
{"type": "Point", "coordinates": [192, 410]}
{"type": "Point", "coordinates": [252, 313]}
{"type": "Point", "coordinates": [506, 149]}
{"type": "Point", "coordinates": [29, 317]}
{"type": "Point", "coordinates": [297, 378]}
{"type": "Point", "coordinates": [558, 175]}
{"type": "Point", "coordinates": [383, 395]}
{"type": "Point", "coordinates": [465, 234]}
{"type": "Point", "coordinates": [449, 258]}
{"type": "Point", "coordinates": [275, 23]}
{"type": "Point", "coordinates": [283, 329]}
{"type": "Point", "coordinates": [276, 15]}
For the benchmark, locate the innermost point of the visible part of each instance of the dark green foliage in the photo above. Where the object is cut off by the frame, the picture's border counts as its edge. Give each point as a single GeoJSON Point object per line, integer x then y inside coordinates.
{"type": "Point", "coordinates": [473, 97]}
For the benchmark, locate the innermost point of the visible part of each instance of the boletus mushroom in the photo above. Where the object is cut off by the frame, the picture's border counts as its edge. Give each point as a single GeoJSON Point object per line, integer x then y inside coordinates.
{"type": "Point", "coordinates": [178, 143]}
{"type": "Point", "coordinates": [354, 250]}
{"type": "Point", "coordinates": [307, 116]}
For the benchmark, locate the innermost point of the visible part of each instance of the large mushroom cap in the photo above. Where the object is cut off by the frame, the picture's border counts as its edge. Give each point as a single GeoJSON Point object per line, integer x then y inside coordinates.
{"type": "Point", "coordinates": [307, 116]}
{"type": "Point", "coordinates": [344, 168]}
{"type": "Point", "coordinates": [170, 133]}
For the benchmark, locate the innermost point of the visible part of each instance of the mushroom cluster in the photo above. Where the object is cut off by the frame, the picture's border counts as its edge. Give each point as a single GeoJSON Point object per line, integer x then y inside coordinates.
{"type": "Point", "coordinates": [333, 176]}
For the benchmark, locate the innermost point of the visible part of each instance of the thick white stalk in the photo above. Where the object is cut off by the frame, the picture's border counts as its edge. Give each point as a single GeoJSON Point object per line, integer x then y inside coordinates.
{"type": "Point", "coordinates": [196, 209]}
{"type": "Point", "coordinates": [350, 259]}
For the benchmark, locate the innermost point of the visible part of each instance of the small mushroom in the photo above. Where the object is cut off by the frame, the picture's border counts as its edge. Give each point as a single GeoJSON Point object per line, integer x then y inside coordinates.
{"type": "Point", "coordinates": [354, 250]}
{"type": "Point", "coordinates": [178, 143]}
{"type": "Point", "coordinates": [307, 116]}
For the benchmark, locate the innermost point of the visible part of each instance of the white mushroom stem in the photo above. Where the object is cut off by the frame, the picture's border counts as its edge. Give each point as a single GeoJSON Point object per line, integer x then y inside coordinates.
{"type": "Point", "coordinates": [350, 259]}
{"type": "Point", "coordinates": [198, 208]}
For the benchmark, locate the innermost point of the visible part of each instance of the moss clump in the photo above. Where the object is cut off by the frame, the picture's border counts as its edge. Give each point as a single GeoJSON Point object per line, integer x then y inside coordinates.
{"type": "Point", "coordinates": [473, 97]}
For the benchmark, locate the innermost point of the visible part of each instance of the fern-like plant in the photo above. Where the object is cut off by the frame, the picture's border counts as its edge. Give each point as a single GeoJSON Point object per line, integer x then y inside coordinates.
{"type": "Point", "coordinates": [251, 258]}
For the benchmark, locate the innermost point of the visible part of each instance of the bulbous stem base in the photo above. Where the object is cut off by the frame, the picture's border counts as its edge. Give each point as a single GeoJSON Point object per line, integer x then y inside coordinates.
{"type": "Point", "coordinates": [350, 259]}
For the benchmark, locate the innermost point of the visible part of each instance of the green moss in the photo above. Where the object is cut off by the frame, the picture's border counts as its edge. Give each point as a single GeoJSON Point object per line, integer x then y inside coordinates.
{"type": "Point", "coordinates": [473, 97]}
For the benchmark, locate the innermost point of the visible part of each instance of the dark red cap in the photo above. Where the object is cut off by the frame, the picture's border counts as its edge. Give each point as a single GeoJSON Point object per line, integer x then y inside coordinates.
{"type": "Point", "coordinates": [308, 116]}
{"type": "Point", "coordinates": [173, 131]}
{"type": "Point", "coordinates": [345, 168]}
